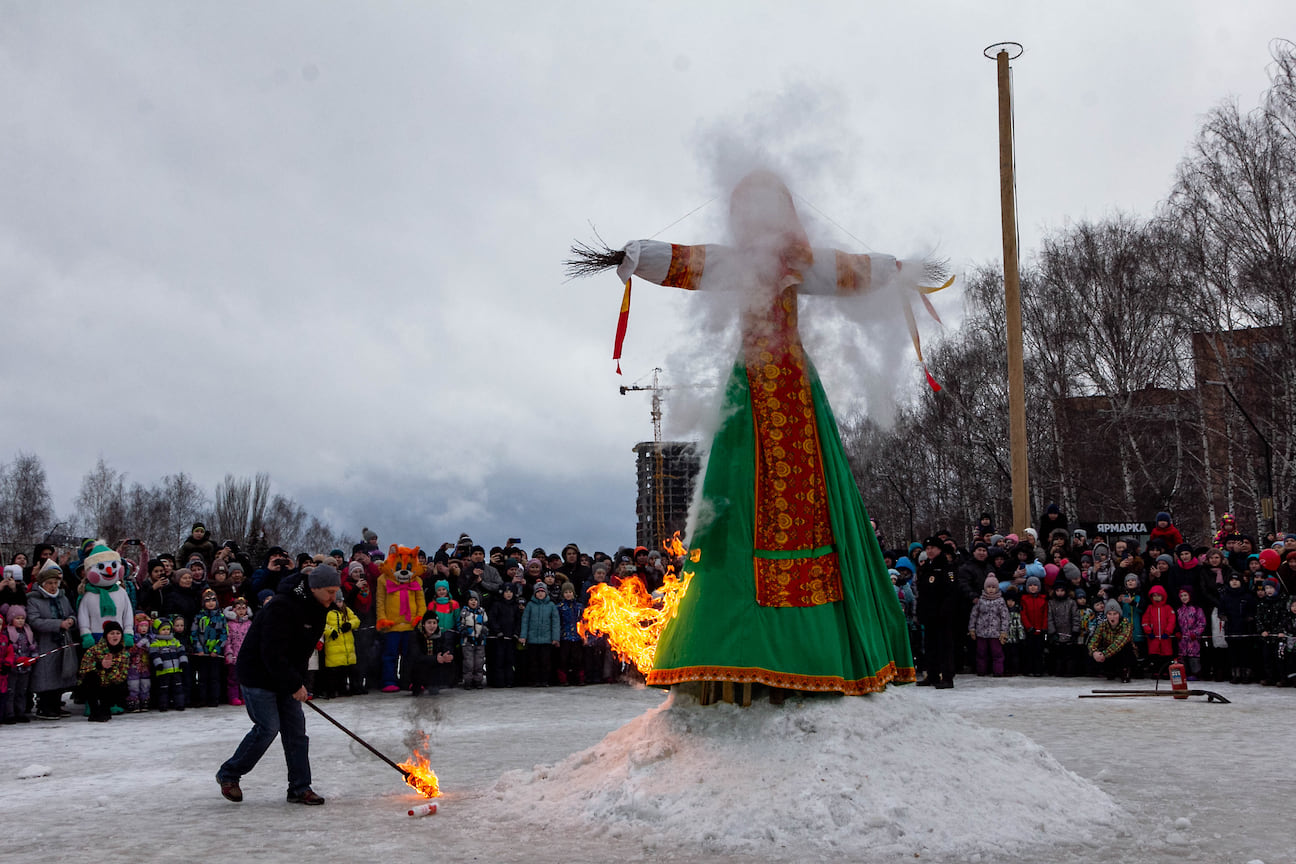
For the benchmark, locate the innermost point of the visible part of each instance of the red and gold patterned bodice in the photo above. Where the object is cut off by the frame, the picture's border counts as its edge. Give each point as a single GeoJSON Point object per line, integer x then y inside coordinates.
{"type": "Point", "coordinates": [795, 562]}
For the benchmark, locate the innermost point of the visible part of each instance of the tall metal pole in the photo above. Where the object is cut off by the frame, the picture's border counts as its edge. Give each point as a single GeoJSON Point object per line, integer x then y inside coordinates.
{"type": "Point", "coordinates": [1021, 511]}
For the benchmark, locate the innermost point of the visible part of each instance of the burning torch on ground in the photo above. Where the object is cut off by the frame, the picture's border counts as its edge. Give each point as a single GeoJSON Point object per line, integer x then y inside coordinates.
{"type": "Point", "coordinates": [417, 772]}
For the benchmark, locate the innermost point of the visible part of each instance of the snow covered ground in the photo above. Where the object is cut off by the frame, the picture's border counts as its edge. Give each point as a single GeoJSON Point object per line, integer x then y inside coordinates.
{"type": "Point", "coordinates": [1163, 781]}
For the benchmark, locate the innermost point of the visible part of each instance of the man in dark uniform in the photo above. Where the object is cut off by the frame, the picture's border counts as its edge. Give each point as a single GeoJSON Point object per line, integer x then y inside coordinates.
{"type": "Point", "coordinates": [938, 605]}
{"type": "Point", "coordinates": [272, 676]}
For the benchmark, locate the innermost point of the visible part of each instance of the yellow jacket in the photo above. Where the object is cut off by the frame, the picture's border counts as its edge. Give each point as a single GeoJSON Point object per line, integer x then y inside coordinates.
{"type": "Point", "coordinates": [339, 647]}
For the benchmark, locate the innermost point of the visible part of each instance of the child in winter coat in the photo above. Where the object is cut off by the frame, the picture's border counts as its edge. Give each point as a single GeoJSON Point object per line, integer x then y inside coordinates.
{"type": "Point", "coordinates": [6, 657]}
{"type": "Point", "coordinates": [102, 676]}
{"type": "Point", "coordinates": [433, 656]}
{"type": "Point", "coordinates": [503, 619]}
{"type": "Point", "coordinates": [571, 658]}
{"type": "Point", "coordinates": [1237, 614]}
{"type": "Point", "coordinates": [1165, 531]}
{"type": "Point", "coordinates": [139, 674]}
{"type": "Point", "coordinates": [1131, 603]}
{"type": "Point", "coordinates": [339, 677]}
{"type": "Point", "coordinates": [1160, 626]}
{"type": "Point", "coordinates": [445, 607]}
{"type": "Point", "coordinates": [1271, 615]}
{"type": "Point", "coordinates": [905, 571]}
{"type": "Point", "coordinates": [1086, 614]}
{"type": "Point", "coordinates": [540, 630]}
{"type": "Point", "coordinates": [472, 641]}
{"type": "Point", "coordinates": [1192, 625]}
{"type": "Point", "coordinates": [238, 620]}
{"type": "Point", "coordinates": [23, 642]}
{"type": "Point", "coordinates": [180, 631]}
{"type": "Point", "coordinates": [1016, 633]}
{"type": "Point", "coordinates": [208, 640]}
{"type": "Point", "coordinates": [988, 625]}
{"type": "Point", "coordinates": [1289, 645]}
{"type": "Point", "coordinates": [447, 612]}
{"type": "Point", "coordinates": [1080, 651]}
{"type": "Point", "coordinates": [1034, 618]}
{"type": "Point", "coordinates": [169, 665]}
{"type": "Point", "coordinates": [1063, 629]}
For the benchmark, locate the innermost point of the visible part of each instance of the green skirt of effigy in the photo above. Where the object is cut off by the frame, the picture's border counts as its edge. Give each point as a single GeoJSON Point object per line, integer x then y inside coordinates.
{"type": "Point", "coordinates": [855, 645]}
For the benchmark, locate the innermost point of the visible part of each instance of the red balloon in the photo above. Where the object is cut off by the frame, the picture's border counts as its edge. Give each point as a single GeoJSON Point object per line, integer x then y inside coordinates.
{"type": "Point", "coordinates": [1270, 559]}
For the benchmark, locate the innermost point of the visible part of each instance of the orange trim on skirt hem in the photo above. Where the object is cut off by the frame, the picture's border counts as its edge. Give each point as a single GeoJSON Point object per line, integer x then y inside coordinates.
{"type": "Point", "coordinates": [815, 683]}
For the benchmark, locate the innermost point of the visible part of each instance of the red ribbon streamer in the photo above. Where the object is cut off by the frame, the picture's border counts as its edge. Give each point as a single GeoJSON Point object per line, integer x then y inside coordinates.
{"type": "Point", "coordinates": [622, 320]}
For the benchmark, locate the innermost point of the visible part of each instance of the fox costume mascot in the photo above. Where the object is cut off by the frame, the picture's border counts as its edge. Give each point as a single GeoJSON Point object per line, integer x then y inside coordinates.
{"type": "Point", "coordinates": [399, 607]}
{"type": "Point", "coordinates": [105, 599]}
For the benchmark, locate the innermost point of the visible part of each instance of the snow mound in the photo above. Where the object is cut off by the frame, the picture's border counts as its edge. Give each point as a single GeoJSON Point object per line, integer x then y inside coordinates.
{"type": "Point", "coordinates": [32, 771]}
{"type": "Point", "coordinates": [879, 774]}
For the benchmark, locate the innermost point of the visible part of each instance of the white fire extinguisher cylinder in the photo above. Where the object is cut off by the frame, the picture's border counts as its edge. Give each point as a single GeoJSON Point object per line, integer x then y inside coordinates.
{"type": "Point", "coordinates": [428, 809]}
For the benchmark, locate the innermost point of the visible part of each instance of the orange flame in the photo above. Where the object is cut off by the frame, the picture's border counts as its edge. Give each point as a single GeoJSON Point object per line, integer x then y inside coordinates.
{"type": "Point", "coordinates": [420, 776]}
{"type": "Point", "coordinates": [630, 617]}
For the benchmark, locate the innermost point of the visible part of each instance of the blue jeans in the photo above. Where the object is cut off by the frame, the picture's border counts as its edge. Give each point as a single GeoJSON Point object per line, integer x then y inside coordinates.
{"type": "Point", "coordinates": [272, 714]}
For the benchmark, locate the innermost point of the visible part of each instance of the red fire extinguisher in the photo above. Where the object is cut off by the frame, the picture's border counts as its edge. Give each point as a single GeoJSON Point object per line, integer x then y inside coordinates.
{"type": "Point", "coordinates": [1178, 683]}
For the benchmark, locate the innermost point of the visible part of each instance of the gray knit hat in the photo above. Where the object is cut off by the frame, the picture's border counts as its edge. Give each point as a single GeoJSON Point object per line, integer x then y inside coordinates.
{"type": "Point", "coordinates": [324, 576]}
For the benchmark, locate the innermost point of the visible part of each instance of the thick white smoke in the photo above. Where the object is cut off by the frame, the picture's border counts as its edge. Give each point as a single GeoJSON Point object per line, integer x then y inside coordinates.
{"type": "Point", "coordinates": [861, 344]}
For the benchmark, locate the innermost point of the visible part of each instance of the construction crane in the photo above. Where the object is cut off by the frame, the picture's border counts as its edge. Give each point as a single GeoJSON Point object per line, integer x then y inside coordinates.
{"type": "Point", "coordinates": [659, 506]}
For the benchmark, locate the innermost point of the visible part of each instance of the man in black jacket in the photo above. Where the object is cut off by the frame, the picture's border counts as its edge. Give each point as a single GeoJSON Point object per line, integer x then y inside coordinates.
{"type": "Point", "coordinates": [272, 675]}
{"type": "Point", "coordinates": [971, 580]}
{"type": "Point", "coordinates": [938, 605]}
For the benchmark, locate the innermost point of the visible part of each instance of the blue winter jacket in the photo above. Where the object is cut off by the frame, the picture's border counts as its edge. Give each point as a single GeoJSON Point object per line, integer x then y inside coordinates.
{"type": "Point", "coordinates": [540, 622]}
{"type": "Point", "coordinates": [569, 615]}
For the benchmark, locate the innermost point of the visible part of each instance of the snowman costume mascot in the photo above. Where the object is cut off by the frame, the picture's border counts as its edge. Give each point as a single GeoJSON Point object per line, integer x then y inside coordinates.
{"type": "Point", "coordinates": [105, 599]}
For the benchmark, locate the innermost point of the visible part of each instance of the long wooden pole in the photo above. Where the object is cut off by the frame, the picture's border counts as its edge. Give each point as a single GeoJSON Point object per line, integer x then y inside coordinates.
{"type": "Point", "coordinates": [1012, 305]}
{"type": "Point", "coordinates": [363, 743]}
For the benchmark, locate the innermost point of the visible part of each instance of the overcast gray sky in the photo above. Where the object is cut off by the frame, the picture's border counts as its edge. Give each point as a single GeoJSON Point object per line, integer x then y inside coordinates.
{"type": "Point", "coordinates": [324, 240]}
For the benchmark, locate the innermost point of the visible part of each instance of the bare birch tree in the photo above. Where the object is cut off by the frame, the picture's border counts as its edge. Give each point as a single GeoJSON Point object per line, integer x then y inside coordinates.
{"type": "Point", "coordinates": [101, 503]}
{"type": "Point", "coordinates": [1234, 206]}
{"type": "Point", "coordinates": [26, 508]}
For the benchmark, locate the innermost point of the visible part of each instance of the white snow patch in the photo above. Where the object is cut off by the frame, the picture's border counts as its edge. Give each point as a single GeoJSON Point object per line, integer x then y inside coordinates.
{"type": "Point", "coordinates": [885, 773]}
{"type": "Point", "coordinates": [1183, 823]}
{"type": "Point", "coordinates": [32, 771]}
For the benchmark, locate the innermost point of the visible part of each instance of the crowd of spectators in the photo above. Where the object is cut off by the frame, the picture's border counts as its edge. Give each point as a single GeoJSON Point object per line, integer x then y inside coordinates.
{"type": "Point", "coordinates": [1053, 601]}
{"type": "Point", "coordinates": [1057, 601]}
{"type": "Point", "coordinates": [498, 618]}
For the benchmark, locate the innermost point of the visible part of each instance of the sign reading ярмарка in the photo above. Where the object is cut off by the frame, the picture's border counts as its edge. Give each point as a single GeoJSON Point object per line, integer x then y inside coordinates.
{"type": "Point", "coordinates": [1114, 529]}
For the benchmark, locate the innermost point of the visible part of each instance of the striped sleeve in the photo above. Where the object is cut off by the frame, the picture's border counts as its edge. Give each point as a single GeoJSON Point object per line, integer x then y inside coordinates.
{"type": "Point", "coordinates": [843, 274]}
{"type": "Point", "coordinates": [669, 264]}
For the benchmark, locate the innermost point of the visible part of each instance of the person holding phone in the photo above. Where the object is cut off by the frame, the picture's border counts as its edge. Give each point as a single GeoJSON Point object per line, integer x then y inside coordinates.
{"type": "Point", "coordinates": [12, 590]}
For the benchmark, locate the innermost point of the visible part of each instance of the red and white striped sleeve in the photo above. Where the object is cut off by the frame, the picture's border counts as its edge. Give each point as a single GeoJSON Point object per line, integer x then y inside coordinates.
{"type": "Point", "coordinates": [669, 264]}
{"type": "Point", "coordinates": [841, 273]}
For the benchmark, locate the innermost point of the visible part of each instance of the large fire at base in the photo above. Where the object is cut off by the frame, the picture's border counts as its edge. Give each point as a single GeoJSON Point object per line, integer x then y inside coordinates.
{"type": "Point", "coordinates": [631, 618]}
{"type": "Point", "coordinates": [420, 776]}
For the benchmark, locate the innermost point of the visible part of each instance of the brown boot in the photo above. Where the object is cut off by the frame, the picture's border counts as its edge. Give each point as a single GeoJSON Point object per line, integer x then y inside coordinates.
{"type": "Point", "coordinates": [306, 797]}
{"type": "Point", "coordinates": [230, 789]}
